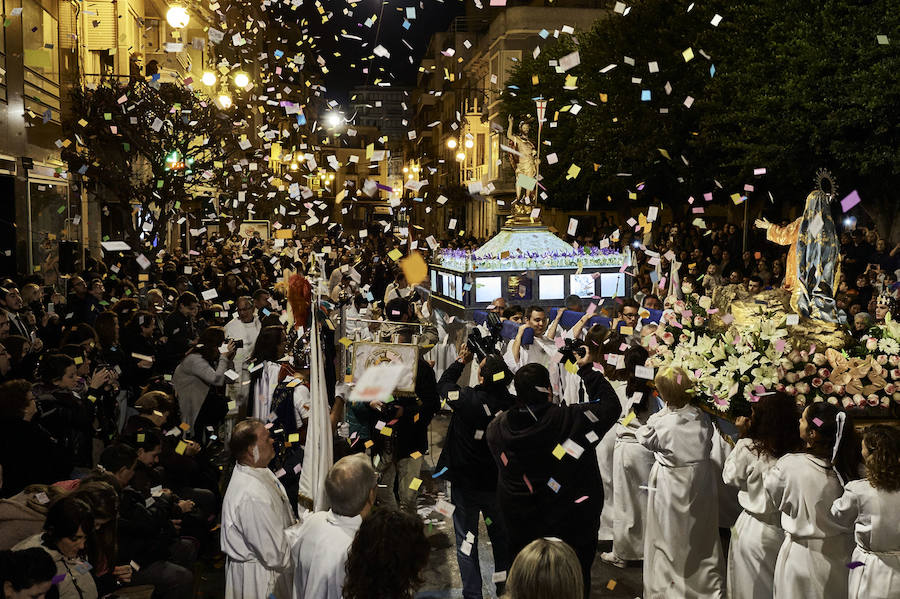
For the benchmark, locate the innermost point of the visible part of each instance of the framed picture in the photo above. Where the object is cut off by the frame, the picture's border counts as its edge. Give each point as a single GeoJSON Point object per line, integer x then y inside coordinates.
{"type": "Point", "coordinates": [369, 353]}
{"type": "Point", "coordinates": [249, 227]}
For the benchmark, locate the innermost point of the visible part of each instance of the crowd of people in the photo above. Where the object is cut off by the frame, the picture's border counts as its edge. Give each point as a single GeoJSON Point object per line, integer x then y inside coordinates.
{"type": "Point", "coordinates": [133, 396]}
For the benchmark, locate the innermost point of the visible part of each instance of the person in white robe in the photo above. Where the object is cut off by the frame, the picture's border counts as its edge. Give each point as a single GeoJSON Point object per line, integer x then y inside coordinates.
{"type": "Point", "coordinates": [541, 351]}
{"type": "Point", "coordinates": [324, 538]}
{"type": "Point", "coordinates": [682, 550]}
{"type": "Point", "coordinates": [258, 524]}
{"type": "Point", "coordinates": [243, 327]}
{"type": "Point", "coordinates": [872, 507]}
{"type": "Point", "coordinates": [632, 463]}
{"type": "Point", "coordinates": [812, 561]}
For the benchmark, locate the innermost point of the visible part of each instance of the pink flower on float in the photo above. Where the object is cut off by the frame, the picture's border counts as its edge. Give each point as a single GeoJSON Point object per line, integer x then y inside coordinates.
{"type": "Point", "coordinates": [779, 387]}
{"type": "Point", "coordinates": [894, 360]}
{"type": "Point", "coordinates": [832, 400]}
{"type": "Point", "coordinates": [896, 396]}
{"type": "Point", "coordinates": [804, 355]}
{"type": "Point", "coordinates": [858, 399]}
{"type": "Point", "coordinates": [885, 401]}
{"type": "Point", "coordinates": [809, 370]}
{"type": "Point", "coordinates": [890, 388]}
{"type": "Point", "coordinates": [817, 382]}
{"type": "Point", "coordinates": [871, 343]}
{"type": "Point", "coordinates": [847, 402]}
{"type": "Point", "coordinates": [668, 338]}
{"type": "Point", "coordinates": [790, 390]}
{"type": "Point", "coordinates": [791, 377]}
{"type": "Point", "coordinates": [819, 360]}
{"type": "Point", "coordinates": [698, 321]}
{"type": "Point", "coordinates": [882, 359]}
{"type": "Point", "coordinates": [824, 373]}
{"type": "Point", "coordinates": [682, 338]}
{"type": "Point", "coordinates": [801, 399]}
{"type": "Point", "coordinates": [895, 373]}
{"type": "Point", "coordinates": [827, 386]}
{"type": "Point", "coordinates": [838, 389]}
{"type": "Point", "coordinates": [872, 400]}
{"type": "Point", "coordinates": [794, 356]}
{"type": "Point", "coordinates": [802, 387]}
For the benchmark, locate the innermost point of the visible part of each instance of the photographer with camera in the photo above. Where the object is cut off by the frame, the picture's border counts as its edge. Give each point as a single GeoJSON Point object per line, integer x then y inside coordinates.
{"type": "Point", "coordinates": [470, 468]}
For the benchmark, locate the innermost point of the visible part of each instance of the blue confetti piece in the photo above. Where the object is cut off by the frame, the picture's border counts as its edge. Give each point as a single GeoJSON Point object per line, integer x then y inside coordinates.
{"type": "Point", "coordinates": [645, 95]}
{"type": "Point", "coordinates": [406, 24]}
{"type": "Point", "coordinates": [278, 53]}
{"type": "Point", "coordinates": [301, 120]}
{"type": "Point", "coordinates": [439, 473]}
{"type": "Point", "coordinates": [544, 33]}
{"type": "Point", "coordinates": [712, 70]}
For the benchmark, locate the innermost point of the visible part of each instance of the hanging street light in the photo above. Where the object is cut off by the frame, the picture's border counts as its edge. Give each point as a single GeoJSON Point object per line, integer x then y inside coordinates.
{"type": "Point", "coordinates": [225, 101]}
{"type": "Point", "coordinates": [208, 79]}
{"type": "Point", "coordinates": [241, 80]}
{"type": "Point", "coordinates": [451, 143]}
{"type": "Point", "coordinates": [178, 17]}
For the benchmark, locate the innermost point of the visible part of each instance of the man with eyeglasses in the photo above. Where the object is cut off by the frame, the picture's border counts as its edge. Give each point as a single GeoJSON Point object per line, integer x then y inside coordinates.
{"type": "Point", "coordinates": [245, 326]}
{"type": "Point", "coordinates": [628, 322]}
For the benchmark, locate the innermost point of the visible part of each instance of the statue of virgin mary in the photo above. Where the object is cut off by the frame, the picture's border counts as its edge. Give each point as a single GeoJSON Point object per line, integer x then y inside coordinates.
{"type": "Point", "coordinates": [813, 264]}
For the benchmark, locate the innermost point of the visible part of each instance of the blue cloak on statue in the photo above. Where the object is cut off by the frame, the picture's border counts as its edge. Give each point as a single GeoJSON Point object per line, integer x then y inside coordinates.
{"type": "Point", "coordinates": [818, 260]}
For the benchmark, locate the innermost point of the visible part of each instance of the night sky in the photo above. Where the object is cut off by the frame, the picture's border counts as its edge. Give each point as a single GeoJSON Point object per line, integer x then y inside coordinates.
{"type": "Point", "coordinates": [430, 16]}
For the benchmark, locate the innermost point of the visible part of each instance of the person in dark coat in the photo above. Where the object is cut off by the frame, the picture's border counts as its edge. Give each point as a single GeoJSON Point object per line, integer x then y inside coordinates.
{"type": "Point", "coordinates": [549, 482]}
{"type": "Point", "coordinates": [180, 331]}
{"type": "Point", "coordinates": [28, 454]}
{"type": "Point", "coordinates": [467, 463]}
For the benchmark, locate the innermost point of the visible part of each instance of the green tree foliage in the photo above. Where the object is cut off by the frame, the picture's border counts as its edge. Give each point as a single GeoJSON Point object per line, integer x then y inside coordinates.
{"type": "Point", "coordinates": [149, 146]}
{"type": "Point", "coordinates": [785, 85]}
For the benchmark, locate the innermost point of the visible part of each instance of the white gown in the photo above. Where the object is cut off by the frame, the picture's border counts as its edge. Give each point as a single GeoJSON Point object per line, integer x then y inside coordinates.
{"type": "Point", "coordinates": [876, 517]}
{"type": "Point", "coordinates": [812, 561]}
{"type": "Point", "coordinates": [320, 554]}
{"type": "Point", "coordinates": [239, 390]}
{"type": "Point", "coordinates": [757, 535]}
{"type": "Point", "coordinates": [605, 449]}
{"type": "Point", "coordinates": [682, 551]}
{"type": "Point", "coordinates": [257, 535]}
{"type": "Point", "coordinates": [632, 463]}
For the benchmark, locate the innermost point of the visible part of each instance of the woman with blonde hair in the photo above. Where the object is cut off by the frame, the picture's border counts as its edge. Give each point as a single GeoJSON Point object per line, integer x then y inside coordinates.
{"type": "Point", "coordinates": [545, 568]}
{"type": "Point", "coordinates": [682, 551]}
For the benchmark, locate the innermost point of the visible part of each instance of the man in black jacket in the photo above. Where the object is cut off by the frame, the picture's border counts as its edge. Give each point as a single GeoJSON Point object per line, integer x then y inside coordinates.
{"type": "Point", "coordinates": [180, 330]}
{"type": "Point", "coordinates": [549, 483]}
{"type": "Point", "coordinates": [467, 463]}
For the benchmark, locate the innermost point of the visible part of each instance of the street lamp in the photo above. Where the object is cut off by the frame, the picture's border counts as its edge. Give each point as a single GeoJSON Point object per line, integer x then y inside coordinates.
{"type": "Point", "coordinates": [451, 143]}
{"type": "Point", "coordinates": [241, 80]}
{"type": "Point", "coordinates": [469, 143]}
{"type": "Point", "coordinates": [208, 79]}
{"type": "Point", "coordinates": [333, 119]}
{"type": "Point", "coordinates": [460, 156]}
{"type": "Point", "coordinates": [225, 101]}
{"type": "Point", "coordinates": [177, 17]}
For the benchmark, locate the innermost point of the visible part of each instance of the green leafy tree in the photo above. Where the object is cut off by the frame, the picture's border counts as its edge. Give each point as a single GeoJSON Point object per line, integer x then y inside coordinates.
{"type": "Point", "coordinates": [148, 147]}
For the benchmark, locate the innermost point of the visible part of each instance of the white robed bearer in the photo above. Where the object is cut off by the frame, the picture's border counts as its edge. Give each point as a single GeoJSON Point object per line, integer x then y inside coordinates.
{"type": "Point", "coordinates": [258, 524]}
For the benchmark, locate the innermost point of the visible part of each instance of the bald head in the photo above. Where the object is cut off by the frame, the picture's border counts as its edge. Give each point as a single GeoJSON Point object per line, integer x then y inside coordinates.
{"type": "Point", "coordinates": [349, 484]}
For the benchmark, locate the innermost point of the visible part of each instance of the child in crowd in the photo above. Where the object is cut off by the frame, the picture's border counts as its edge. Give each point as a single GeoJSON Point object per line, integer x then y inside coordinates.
{"type": "Point", "coordinates": [872, 506]}
{"type": "Point", "coordinates": [682, 551]}
{"type": "Point", "coordinates": [631, 465]}
{"type": "Point", "coordinates": [812, 562]}
{"type": "Point", "coordinates": [767, 435]}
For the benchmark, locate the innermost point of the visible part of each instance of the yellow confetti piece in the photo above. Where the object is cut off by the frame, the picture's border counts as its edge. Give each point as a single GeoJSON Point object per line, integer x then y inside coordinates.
{"type": "Point", "coordinates": [386, 431]}
{"type": "Point", "coordinates": [184, 426]}
{"type": "Point", "coordinates": [416, 455]}
{"type": "Point", "coordinates": [345, 342]}
{"type": "Point", "coordinates": [571, 81]}
{"type": "Point", "coordinates": [368, 444]}
{"type": "Point", "coordinates": [232, 406]}
{"type": "Point", "coordinates": [559, 452]}
{"type": "Point", "coordinates": [573, 171]}
{"type": "Point", "coordinates": [395, 254]}
{"type": "Point", "coordinates": [179, 449]}
{"type": "Point", "coordinates": [498, 376]}
{"type": "Point", "coordinates": [688, 55]}
{"type": "Point", "coordinates": [571, 367]}
{"type": "Point", "coordinates": [415, 484]}
{"type": "Point", "coordinates": [141, 437]}
{"type": "Point", "coordinates": [611, 585]}
{"type": "Point", "coordinates": [294, 438]}
{"type": "Point", "coordinates": [626, 330]}
{"type": "Point", "coordinates": [628, 419]}
{"type": "Point", "coordinates": [534, 80]}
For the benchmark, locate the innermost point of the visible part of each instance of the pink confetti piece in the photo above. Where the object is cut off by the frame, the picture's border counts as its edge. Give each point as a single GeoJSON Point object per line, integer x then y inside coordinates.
{"type": "Point", "coordinates": [779, 345]}
{"type": "Point", "coordinates": [504, 459]}
{"type": "Point", "coordinates": [759, 171]}
{"type": "Point", "coordinates": [850, 201]}
{"type": "Point", "coordinates": [818, 422]}
{"type": "Point", "coordinates": [528, 484]}
{"type": "Point", "coordinates": [580, 499]}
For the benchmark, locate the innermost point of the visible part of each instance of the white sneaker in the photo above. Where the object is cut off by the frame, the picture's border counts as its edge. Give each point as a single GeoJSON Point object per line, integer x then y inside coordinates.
{"type": "Point", "coordinates": [613, 559]}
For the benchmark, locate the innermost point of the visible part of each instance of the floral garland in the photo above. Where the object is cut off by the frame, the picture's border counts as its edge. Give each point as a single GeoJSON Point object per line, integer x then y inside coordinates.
{"type": "Point", "coordinates": [465, 260]}
{"type": "Point", "coordinates": [733, 368]}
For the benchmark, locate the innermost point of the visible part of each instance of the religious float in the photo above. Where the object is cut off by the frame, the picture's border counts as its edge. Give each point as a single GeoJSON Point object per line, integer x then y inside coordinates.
{"type": "Point", "coordinates": [738, 347]}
